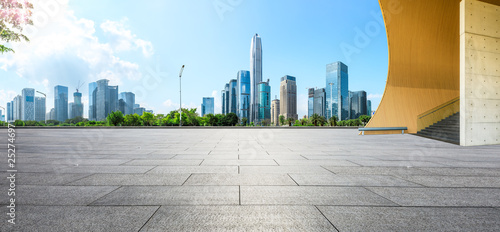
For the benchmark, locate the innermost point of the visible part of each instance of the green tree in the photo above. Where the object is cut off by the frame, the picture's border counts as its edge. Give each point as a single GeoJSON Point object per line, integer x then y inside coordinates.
{"type": "Point", "coordinates": [282, 120]}
{"type": "Point", "coordinates": [289, 121]}
{"type": "Point", "coordinates": [322, 121]}
{"type": "Point", "coordinates": [315, 119]}
{"type": "Point", "coordinates": [14, 15]}
{"type": "Point", "coordinates": [333, 120]}
{"type": "Point", "coordinates": [244, 121]}
{"type": "Point", "coordinates": [133, 120]}
{"type": "Point", "coordinates": [148, 119]}
{"type": "Point", "coordinates": [364, 119]}
{"type": "Point", "coordinates": [115, 118]}
{"type": "Point", "coordinates": [231, 119]}
{"type": "Point", "coordinates": [211, 119]}
{"type": "Point", "coordinates": [303, 122]}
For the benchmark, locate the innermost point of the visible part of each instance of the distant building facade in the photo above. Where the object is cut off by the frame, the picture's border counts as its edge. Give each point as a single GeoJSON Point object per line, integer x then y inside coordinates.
{"type": "Point", "coordinates": [264, 96]}
{"type": "Point", "coordinates": [275, 112]}
{"type": "Point", "coordinates": [337, 90]}
{"type": "Point", "coordinates": [320, 102]}
{"type": "Point", "coordinates": [310, 102]}
{"type": "Point", "coordinates": [358, 105]}
{"type": "Point", "coordinates": [40, 109]}
{"type": "Point", "coordinates": [288, 97]}
{"type": "Point", "coordinates": [28, 104]}
{"type": "Point", "coordinates": [207, 107]}
{"type": "Point", "coordinates": [126, 103]}
{"type": "Point", "coordinates": [243, 79]}
{"type": "Point", "coordinates": [61, 102]}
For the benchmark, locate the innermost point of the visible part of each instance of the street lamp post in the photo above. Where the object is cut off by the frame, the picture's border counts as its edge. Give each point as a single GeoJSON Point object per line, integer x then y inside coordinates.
{"type": "Point", "coordinates": [331, 99]}
{"type": "Point", "coordinates": [45, 95]}
{"type": "Point", "coordinates": [180, 97]}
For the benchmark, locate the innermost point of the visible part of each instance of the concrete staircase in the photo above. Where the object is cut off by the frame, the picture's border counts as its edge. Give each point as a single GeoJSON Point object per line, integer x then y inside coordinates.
{"type": "Point", "coordinates": [447, 130]}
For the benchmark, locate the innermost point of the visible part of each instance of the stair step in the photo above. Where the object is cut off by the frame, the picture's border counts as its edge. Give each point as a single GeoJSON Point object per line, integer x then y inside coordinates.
{"type": "Point", "coordinates": [447, 130]}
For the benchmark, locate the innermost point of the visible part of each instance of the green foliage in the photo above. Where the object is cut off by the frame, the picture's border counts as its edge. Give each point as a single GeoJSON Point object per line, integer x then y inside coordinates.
{"type": "Point", "coordinates": [244, 121]}
{"type": "Point", "coordinates": [31, 123]}
{"type": "Point", "coordinates": [148, 119]}
{"type": "Point", "coordinates": [364, 119]}
{"type": "Point", "coordinates": [230, 119]}
{"type": "Point", "coordinates": [211, 119]}
{"type": "Point", "coordinates": [19, 123]}
{"type": "Point", "coordinates": [350, 122]}
{"type": "Point", "coordinates": [265, 122]}
{"type": "Point", "coordinates": [315, 118]}
{"type": "Point", "coordinates": [132, 120]}
{"type": "Point", "coordinates": [52, 122]}
{"type": "Point", "coordinates": [282, 120]}
{"type": "Point", "coordinates": [333, 120]}
{"type": "Point", "coordinates": [115, 118]}
{"type": "Point", "coordinates": [289, 121]}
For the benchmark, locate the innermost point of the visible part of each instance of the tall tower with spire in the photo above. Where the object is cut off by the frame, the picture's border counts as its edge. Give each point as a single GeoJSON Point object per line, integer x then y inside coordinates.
{"type": "Point", "coordinates": [255, 76]}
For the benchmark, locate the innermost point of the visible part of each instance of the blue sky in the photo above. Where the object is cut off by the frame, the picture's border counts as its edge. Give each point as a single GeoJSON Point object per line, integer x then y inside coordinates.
{"type": "Point", "coordinates": [141, 47]}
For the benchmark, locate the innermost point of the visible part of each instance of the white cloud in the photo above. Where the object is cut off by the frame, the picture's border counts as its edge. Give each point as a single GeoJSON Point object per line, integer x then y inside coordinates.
{"type": "Point", "coordinates": [372, 96]}
{"type": "Point", "coordinates": [66, 48]}
{"type": "Point", "coordinates": [302, 105]}
{"type": "Point", "coordinates": [123, 39]}
{"type": "Point", "coordinates": [217, 102]}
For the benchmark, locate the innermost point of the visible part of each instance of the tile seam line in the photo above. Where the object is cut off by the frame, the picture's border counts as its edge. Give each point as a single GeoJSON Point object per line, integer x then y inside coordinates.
{"type": "Point", "coordinates": [145, 223]}
{"type": "Point", "coordinates": [321, 212]}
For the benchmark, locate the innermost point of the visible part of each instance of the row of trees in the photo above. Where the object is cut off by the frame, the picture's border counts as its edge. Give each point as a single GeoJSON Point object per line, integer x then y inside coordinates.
{"type": "Point", "coordinates": [191, 118]}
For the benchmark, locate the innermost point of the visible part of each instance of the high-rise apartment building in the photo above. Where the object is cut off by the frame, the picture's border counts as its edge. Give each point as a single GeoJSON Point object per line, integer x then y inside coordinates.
{"type": "Point", "coordinates": [337, 90]}
{"type": "Point", "coordinates": [310, 102]}
{"type": "Point", "coordinates": [275, 112]}
{"type": "Point", "coordinates": [288, 97]}
{"type": "Point", "coordinates": [264, 102]}
{"type": "Point", "coordinates": [320, 102]}
{"type": "Point", "coordinates": [92, 97]}
{"type": "Point", "coordinates": [207, 107]}
{"type": "Point", "coordinates": [28, 104]}
{"type": "Point", "coordinates": [255, 76]}
{"type": "Point", "coordinates": [358, 105]}
{"type": "Point", "coordinates": [40, 109]}
{"type": "Point", "coordinates": [243, 94]}
{"type": "Point", "coordinates": [128, 101]}
{"type": "Point", "coordinates": [61, 102]}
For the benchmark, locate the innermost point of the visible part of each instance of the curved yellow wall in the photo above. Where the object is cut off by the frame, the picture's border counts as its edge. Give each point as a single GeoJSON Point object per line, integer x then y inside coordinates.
{"type": "Point", "coordinates": [424, 48]}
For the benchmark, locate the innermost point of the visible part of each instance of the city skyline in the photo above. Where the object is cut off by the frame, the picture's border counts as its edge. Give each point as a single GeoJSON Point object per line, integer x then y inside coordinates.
{"type": "Point", "coordinates": [300, 47]}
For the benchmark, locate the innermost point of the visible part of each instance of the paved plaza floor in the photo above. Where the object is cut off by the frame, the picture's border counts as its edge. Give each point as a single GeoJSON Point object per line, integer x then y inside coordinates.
{"type": "Point", "coordinates": [247, 180]}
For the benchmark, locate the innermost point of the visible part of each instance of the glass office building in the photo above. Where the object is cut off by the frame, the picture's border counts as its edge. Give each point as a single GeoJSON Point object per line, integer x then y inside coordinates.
{"type": "Point", "coordinates": [92, 96]}
{"type": "Point", "coordinates": [358, 105]}
{"type": "Point", "coordinates": [9, 111]}
{"type": "Point", "coordinates": [310, 102]}
{"type": "Point", "coordinates": [226, 98]}
{"type": "Point", "coordinates": [61, 103]}
{"type": "Point", "coordinates": [28, 104]}
{"type": "Point", "coordinates": [337, 90]}
{"type": "Point", "coordinates": [126, 103]}
{"type": "Point", "coordinates": [319, 102]}
{"type": "Point", "coordinates": [243, 94]}
{"type": "Point", "coordinates": [207, 107]}
{"type": "Point", "coordinates": [233, 96]}
{"type": "Point", "coordinates": [223, 103]}
{"type": "Point", "coordinates": [40, 109]}
{"type": "Point", "coordinates": [77, 107]}
{"type": "Point", "coordinates": [264, 103]}
{"type": "Point", "coordinates": [369, 107]}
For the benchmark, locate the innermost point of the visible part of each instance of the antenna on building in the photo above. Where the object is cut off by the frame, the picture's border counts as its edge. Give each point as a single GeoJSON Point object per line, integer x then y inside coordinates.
{"type": "Point", "coordinates": [79, 85]}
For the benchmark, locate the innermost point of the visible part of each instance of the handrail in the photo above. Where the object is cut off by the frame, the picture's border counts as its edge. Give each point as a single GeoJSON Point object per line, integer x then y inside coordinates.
{"type": "Point", "coordinates": [438, 113]}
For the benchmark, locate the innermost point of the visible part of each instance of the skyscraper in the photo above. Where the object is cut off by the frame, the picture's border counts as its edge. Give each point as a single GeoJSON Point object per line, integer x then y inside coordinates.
{"type": "Point", "coordinates": [337, 90]}
{"type": "Point", "coordinates": [17, 106]}
{"type": "Point", "coordinates": [113, 99]}
{"type": "Point", "coordinates": [275, 112]}
{"type": "Point", "coordinates": [105, 99]}
{"type": "Point", "coordinates": [207, 107]}
{"type": "Point", "coordinates": [358, 104]}
{"type": "Point", "coordinates": [77, 106]}
{"type": "Point", "coordinates": [9, 111]}
{"type": "Point", "coordinates": [226, 99]}
{"type": "Point", "coordinates": [255, 76]}
{"type": "Point", "coordinates": [28, 104]}
{"type": "Point", "coordinates": [243, 94]}
{"type": "Point", "coordinates": [40, 109]}
{"type": "Point", "coordinates": [369, 107]}
{"type": "Point", "coordinates": [128, 99]}
{"type": "Point", "coordinates": [92, 97]}
{"type": "Point", "coordinates": [320, 102]}
{"type": "Point", "coordinates": [61, 102]}
{"type": "Point", "coordinates": [264, 102]}
{"type": "Point", "coordinates": [223, 97]}
{"type": "Point", "coordinates": [233, 96]}
{"type": "Point", "coordinates": [288, 97]}
{"type": "Point", "coordinates": [310, 102]}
